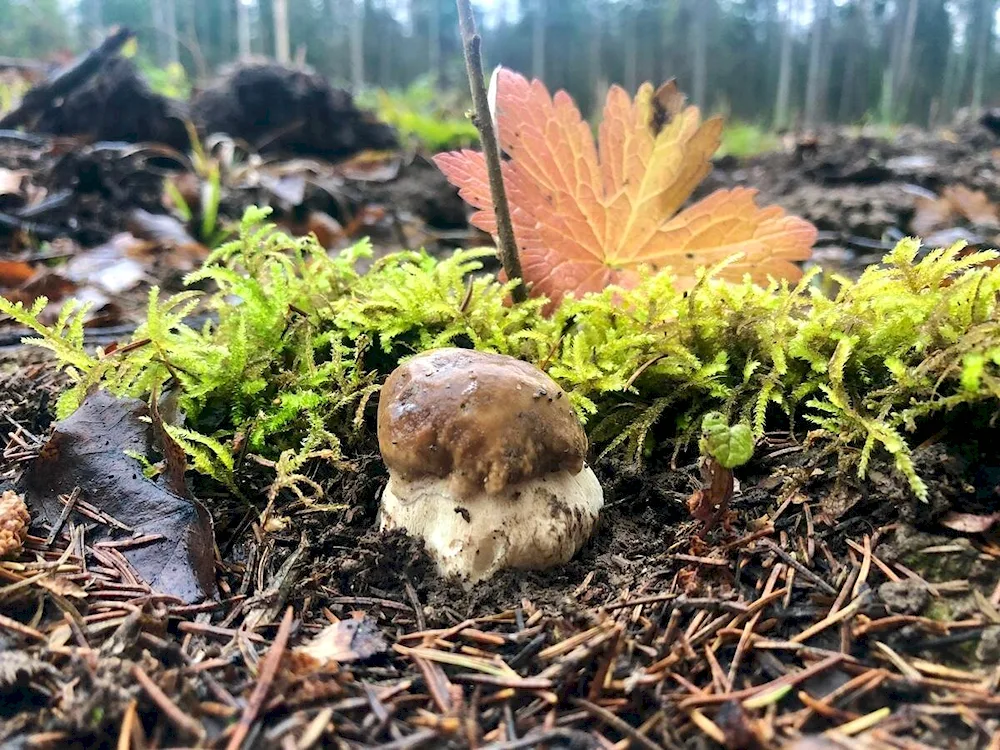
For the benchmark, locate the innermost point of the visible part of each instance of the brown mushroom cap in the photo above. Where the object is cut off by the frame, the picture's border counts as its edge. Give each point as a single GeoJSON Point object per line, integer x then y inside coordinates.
{"type": "Point", "coordinates": [487, 421]}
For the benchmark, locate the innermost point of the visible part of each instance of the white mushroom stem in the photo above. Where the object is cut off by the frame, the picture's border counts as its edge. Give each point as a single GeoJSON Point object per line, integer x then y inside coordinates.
{"type": "Point", "coordinates": [532, 525]}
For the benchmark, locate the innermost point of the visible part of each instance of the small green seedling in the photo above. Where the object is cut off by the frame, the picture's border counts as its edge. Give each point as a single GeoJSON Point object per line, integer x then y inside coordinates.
{"type": "Point", "coordinates": [731, 446]}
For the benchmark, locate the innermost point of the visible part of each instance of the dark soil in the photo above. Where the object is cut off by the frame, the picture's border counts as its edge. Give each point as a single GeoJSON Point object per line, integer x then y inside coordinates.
{"type": "Point", "coordinates": [335, 564]}
{"type": "Point", "coordinates": [859, 190]}
{"type": "Point", "coordinates": [118, 105]}
{"type": "Point", "coordinates": [88, 191]}
{"type": "Point", "coordinates": [289, 112]}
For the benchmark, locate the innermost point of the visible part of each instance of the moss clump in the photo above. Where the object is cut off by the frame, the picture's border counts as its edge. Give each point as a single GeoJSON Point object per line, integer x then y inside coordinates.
{"type": "Point", "coordinates": [299, 341]}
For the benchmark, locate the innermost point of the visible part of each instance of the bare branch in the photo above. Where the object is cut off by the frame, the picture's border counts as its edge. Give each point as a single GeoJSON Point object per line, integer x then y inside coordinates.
{"type": "Point", "coordinates": [472, 43]}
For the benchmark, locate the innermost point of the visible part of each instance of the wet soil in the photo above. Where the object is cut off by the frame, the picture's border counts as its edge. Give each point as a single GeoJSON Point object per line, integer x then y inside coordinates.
{"type": "Point", "coordinates": [646, 550]}
{"type": "Point", "coordinates": [861, 188]}
{"type": "Point", "coordinates": [334, 563]}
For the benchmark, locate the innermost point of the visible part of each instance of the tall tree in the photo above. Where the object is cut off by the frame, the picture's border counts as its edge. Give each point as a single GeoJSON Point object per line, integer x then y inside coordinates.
{"type": "Point", "coordinates": [594, 55]}
{"type": "Point", "coordinates": [282, 40]}
{"type": "Point", "coordinates": [898, 72]}
{"type": "Point", "coordinates": [699, 52]}
{"type": "Point", "coordinates": [355, 10]}
{"type": "Point", "coordinates": [243, 28]}
{"type": "Point", "coordinates": [985, 19]}
{"type": "Point", "coordinates": [538, 40]}
{"type": "Point", "coordinates": [782, 101]}
{"type": "Point", "coordinates": [165, 25]}
{"type": "Point", "coordinates": [434, 39]}
{"type": "Point", "coordinates": [630, 17]}
{"type": "Point", "coordinates": [817, 51]}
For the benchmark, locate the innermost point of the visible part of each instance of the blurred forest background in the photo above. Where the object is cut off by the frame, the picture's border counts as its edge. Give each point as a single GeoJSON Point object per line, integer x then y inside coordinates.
{"type": "Point", "coordinates": [775, 63]}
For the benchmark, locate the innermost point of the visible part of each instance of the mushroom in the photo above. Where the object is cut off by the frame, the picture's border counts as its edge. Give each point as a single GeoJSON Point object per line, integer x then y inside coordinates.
{"type": "Point", "coordinates": [486, 463]}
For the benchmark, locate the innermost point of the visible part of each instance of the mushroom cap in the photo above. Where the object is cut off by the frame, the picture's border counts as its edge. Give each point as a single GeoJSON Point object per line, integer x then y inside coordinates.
{"type": "Point", "coordinates": [484, 421]}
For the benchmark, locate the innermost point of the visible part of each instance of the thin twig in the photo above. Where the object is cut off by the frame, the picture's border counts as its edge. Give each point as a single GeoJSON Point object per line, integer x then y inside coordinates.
{"type": "Point", "coordinates": [167, 707]}
{"type": "Point", "coordinates": [472, 44]}
{"type": "Point", "coordinates": [268, 670]}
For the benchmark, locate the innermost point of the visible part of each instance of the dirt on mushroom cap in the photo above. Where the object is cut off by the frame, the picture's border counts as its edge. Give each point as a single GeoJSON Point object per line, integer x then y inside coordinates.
{"type": "Point", "coordinates": [486, 420]}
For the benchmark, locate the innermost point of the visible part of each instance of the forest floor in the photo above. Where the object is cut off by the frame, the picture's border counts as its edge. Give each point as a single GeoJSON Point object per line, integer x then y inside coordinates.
{"type": "Point", "coordinates": [843, 615]}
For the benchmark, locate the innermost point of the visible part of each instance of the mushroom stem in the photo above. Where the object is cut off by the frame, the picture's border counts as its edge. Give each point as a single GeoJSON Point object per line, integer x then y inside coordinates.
{"type": "Point", "coordinates": [533, 525]}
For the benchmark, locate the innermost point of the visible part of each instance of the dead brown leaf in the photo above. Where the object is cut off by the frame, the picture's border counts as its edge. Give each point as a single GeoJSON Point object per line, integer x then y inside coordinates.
{"type": "Point", "coordinates": [345, 641]}
{"type": "Point", "coordinates": [53, 286]}
{"type": "Point", "coordinates": [372, 166]}
{"type": "Point", "coordinates": [13, 273]}
{"type": "Point", "coordinates": [88, 451]}
{"type": "Point", "coordinates": [956, 202]}
{"type": "Point", "coordinates": [969, 523]}
{"type": "Point", "coordinates": [974, 205]}
{"type": "Point", "coordinates": [930, 213]}
{"type": "Point", "coordinates": [710, 503]}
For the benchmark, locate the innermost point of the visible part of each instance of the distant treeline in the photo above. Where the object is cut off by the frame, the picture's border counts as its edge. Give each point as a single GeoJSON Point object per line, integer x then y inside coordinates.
{"type": "Point", "coordinates": [775, 62]}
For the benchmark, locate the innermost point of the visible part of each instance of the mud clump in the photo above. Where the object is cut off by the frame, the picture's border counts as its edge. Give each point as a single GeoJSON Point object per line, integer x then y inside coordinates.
{"type": "Point", "coordinates": [904, 597]}
{"type": "Point", "coordinates": [117, 104]}
{"type": "Point", "coordinates": [288, 111]}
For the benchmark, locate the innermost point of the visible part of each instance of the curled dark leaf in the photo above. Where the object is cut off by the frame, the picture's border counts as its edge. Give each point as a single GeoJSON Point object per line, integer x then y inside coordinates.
{"type": "Point", "coordinates": [88, 450]}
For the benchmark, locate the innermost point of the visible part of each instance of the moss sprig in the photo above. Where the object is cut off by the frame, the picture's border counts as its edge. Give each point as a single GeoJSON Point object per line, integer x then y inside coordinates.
{"type": "Point", "coordinates": [297, 342]}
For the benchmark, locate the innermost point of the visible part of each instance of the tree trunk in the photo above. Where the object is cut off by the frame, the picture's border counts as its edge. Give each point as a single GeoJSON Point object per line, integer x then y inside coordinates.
{"type": "Point", "coordinates": [782, 101]}
{"type": "Point", "coordinates": [356, 12]}
{"type": "Point", "coordinates": [384, 44]}
{"type": "Point", "coordinates": [948, 83]}
{"type": "Point", "coordinates": [826, 64]}
{"type": "Point", "coordinates": [854, 48]}
{"type": "Point", "coordinates": [160, 25]}
{"type": "Point", "coordinates": [699, 53]}
{"type": "Point", "coordinates": [170, 27]}
{"type": "Point", "coordinates": [190, 34]}
{"type": "Point", "coordinates": [984, 19]}
{"type": "Point", "coordinates": [282, 43]}
{"type": "Point", "coordinates": [813, 75]}
{"type": "Point", "coordinates": [595, 68]}
{"type": "Point", "coordinates": [223, 27]}
{"type": "Point", "coordinates": [669, 51]}
{"type": "Point", "coordinates": [895, 82]}
{"type": "Point", "coordinates": [906, 51]}
{"type": "Point", "coordinates": [243, 28]}
{"type": "Point", "coordinates": [538, 40]}
{"type": "Point", "coordinates": [165, 23]}
{"type": "Point", "coordinates": [434, 39]}
{"type": "Point", "coordinates": [631, 50]}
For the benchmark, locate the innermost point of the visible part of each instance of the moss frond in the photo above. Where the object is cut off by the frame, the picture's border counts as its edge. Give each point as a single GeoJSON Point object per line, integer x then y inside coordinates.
{"type": "Point", "coordinates": [298, 341]}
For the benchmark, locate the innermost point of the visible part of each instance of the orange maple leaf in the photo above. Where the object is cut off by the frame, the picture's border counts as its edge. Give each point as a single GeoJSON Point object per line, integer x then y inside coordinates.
{"type": "Point", "coordinates": [587, 216]}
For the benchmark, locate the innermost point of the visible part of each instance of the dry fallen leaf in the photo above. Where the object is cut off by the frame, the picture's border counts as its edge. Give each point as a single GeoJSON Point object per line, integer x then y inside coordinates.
{"type": "Point", "coordinates": [13, 273]}
{"type": "Point", "coordinates": [974, 205]}
{"type": "Point", "coordinates": [345, 641]}
{"type": "Point", "coordinates": [932, 212]}
{"type": "Point", "coordinates": [969, 523]}
{"type": "Point", "coordinates": [588, 215]}
{"type": "Point", "coordinates": [87, 452]}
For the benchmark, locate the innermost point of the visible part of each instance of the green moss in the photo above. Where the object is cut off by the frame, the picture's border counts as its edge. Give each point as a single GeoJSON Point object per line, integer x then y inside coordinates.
{"type": "Point", "coordinates": [939, 611]}
{"type": "Point", "coordinates": [744, 139]}
{"type": "Point", "coordinates": [291, 366]}
{"type": "Point", "coordinates": [424, 115]}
